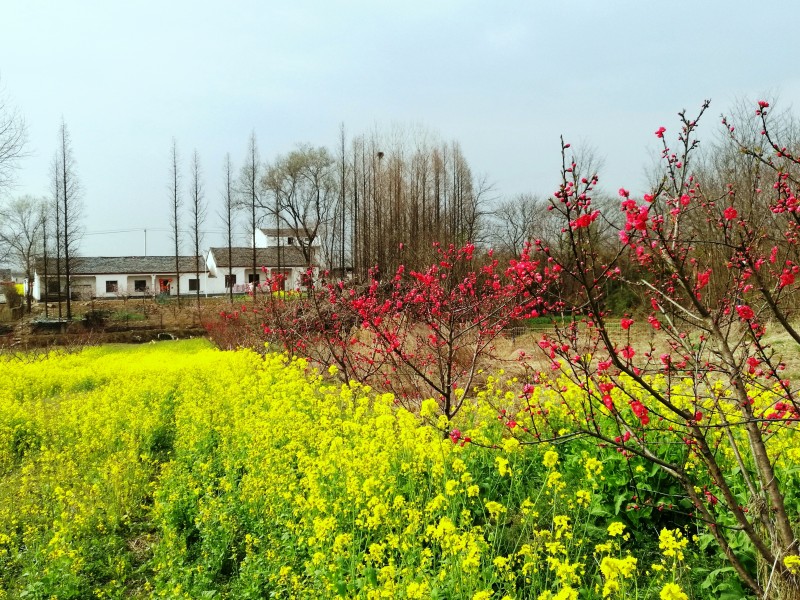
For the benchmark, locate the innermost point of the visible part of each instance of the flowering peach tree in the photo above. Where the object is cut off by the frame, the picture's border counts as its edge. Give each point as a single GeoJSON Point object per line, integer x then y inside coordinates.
{"type": "Point", "coordinates": [694, 384]}
{"type": "Point", "coordinates": [435, 329]}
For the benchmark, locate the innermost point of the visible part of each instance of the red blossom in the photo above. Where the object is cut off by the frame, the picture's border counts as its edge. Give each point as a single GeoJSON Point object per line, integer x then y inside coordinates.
{"type": "Point", "coordinates": [585, 220]}
{"type": "Point", "coordinates": [702, 279]}
{"type": "Point", "coordinates": [745, 312]}
{"type": "Point", "coordinates": [660, 132]}
{"type": "Point", "coordinates": [730, 213]}
{"type": "Point", "coordinates": [640, 410]}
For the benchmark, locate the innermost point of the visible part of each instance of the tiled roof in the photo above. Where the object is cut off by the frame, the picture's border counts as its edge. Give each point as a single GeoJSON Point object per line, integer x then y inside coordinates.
{"type": "Point", "coordinates": [99, 265]}
{"type": "Point", "coordinates": [291, 256]}
{"type": "Point", "coordinates": [285, 231]}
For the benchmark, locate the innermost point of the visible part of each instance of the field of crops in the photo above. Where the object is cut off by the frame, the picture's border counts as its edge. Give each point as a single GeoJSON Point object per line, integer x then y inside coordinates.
{"type": "Point", "coordinates": [176, 470]}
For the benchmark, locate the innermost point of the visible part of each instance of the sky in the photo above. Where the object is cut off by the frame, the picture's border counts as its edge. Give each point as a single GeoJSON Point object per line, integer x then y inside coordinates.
{"type": "Point", "coordinates": [505, 79]}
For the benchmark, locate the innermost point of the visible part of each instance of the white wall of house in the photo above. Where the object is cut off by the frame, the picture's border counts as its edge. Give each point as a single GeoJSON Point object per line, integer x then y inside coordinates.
{"type": "Point", "coordinates": [110, 286]}
{"type": "Point", "coordinates": [139, 285]}
{"type": "Point", "coordinates": [239, 279]}
{"type": "Point", "coordinates": [271, 241]}
{"type": "Point", "coordinates": [38, 285]}
{"type": "Point", "coordinates": [83, 287]}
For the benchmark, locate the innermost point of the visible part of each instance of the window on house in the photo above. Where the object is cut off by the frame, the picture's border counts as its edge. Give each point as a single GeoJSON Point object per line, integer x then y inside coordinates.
{"type": "Point", "coordinates": [111, 287]}
{"type": "Point", "coordinates": [230, 281]}
{"type": "Point", "coordinates": [140, 285]}
{"type": "Point", "coordinates": [253, 278]}
{"type": "Point", "coordinates": [290, 241]}
{"type": "Point", "coordinates": [194, 285]}
{"type": "Point", "coordinates": [53, 287]}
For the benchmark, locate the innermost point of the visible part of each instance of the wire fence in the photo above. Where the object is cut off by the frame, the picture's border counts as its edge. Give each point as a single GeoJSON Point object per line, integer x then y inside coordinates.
{"type": "Point", "coordinates": [538, 329]}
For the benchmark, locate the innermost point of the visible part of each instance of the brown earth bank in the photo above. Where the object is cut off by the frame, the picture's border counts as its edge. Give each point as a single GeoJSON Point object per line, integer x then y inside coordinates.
{"type": "Point", "coordinates": [129, 321]}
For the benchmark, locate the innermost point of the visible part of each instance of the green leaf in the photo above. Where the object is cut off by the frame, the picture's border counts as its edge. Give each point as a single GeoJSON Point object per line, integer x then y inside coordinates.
{"type": "Point", "coordinates": [618, 502]}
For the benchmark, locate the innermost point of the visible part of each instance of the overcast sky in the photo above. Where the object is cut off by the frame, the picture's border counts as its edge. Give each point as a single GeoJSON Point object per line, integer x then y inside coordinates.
{"type": "Point", "coordinates": [504, 78]}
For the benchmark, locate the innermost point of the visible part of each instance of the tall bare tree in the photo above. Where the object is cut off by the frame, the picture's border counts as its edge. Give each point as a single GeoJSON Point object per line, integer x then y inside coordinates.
{"type": "Point", "coordinates": [303, 186]}
{"type": "Point", "coordinates": [408, 191]}
{"type": "Point", "coordinates": [13, 135]}
{"type": "Point", "coordinates": [175, 204]}
{"type": "Point", "coordinates": [46, 225]}
{"type": "Point", "coordinates": [250, 198]}
{"type": "Point", "coordinates": [228, 215]}
{"type": "Point", "coordinates": [339, 228]}
{"type": "Point", "coordinates": [21, 223]}
{"type": "Point", "coordinates": [58, 235]}
{"type": "Point", "coordinates": [197, 215]}
{"type": "Point", "coordinates": [69, 206]}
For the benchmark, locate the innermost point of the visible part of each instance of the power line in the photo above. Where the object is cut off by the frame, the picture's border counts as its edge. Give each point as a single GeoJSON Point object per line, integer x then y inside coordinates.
{"type": "Point", "coordinates": [159, 229]}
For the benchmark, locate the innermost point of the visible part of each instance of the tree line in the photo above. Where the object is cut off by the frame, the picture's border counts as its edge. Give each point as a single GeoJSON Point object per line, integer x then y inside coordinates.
{"type": "Point", "coordinates": [375, 200]}
{"type": "Point", "coordinates": [40, 227]}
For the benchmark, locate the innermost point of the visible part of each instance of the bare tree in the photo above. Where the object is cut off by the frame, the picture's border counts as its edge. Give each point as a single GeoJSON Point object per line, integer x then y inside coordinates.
{"type": "Point", "coordinates": [228, 215]}
{"type": "Point", "coordinates": [69, 206]}
{"type": "Point", "coordinates": [515, 220]}
{"type": "Point", "coordinates": [21, 223]}
{"type": "Point", "coordinates": [338, 235]}
{"type": "Point", "coordinates": [303, 186]}
{"type": "Point", "coordinates": [45, 243]}
{"type": "Point", "coordinates": [13, 135]}
{"type": "Point", "coordinates": [197, 215]}
{"type": "Point", "coordinates": [175, 204]}
{"type": "Point", "coordinates": [407, 192]}
{"type": "Point", "coordinates": [250, 199]}
{"type": "Point", "coordinates": [58, 247]}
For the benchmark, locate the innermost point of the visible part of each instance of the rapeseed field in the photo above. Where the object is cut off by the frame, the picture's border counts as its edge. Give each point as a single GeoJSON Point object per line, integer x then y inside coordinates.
{"type": "Point", "coordinates": [176, 470]}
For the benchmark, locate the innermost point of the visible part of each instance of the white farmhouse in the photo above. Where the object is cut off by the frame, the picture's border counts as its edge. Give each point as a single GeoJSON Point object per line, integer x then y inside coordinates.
{"type": "Point", "coordinates": [117, 276]}
{"type": "Point", "coordinates": [234, 269]}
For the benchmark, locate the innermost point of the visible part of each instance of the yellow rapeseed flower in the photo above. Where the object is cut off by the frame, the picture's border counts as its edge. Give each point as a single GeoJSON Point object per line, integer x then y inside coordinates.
{"type": "Point", "coordinates": [672, 591]}
{"type": "Point", "coordinates": [616, 528]}
{"type": "Point", "coordinates": [550, 459]}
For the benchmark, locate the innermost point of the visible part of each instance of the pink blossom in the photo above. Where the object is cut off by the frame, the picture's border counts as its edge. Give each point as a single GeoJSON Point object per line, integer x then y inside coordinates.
{"type": "Point", "coordinates": [763, 104]}
{"type": "Point", "coordinates": [745, 312]}
{"type": "Point", "coordinates": [585, 220]}
{"type": "Point", "coordinates": [640, 410]}
{"type": "Point", "coordinates": [626, 323]}
{"type": "Point", "coordinates": [660, 132]}
{"type": "Point", "coordinates": [787, 278]}
{"type": "Point", "coordinates": [730, 213]}
{"type": "Point", "coordinates": [702, 279]}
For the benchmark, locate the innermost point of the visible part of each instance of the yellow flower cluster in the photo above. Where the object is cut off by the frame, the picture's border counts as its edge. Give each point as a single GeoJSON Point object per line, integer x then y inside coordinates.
{"type": "Point", "coordinates": [180, 471]}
